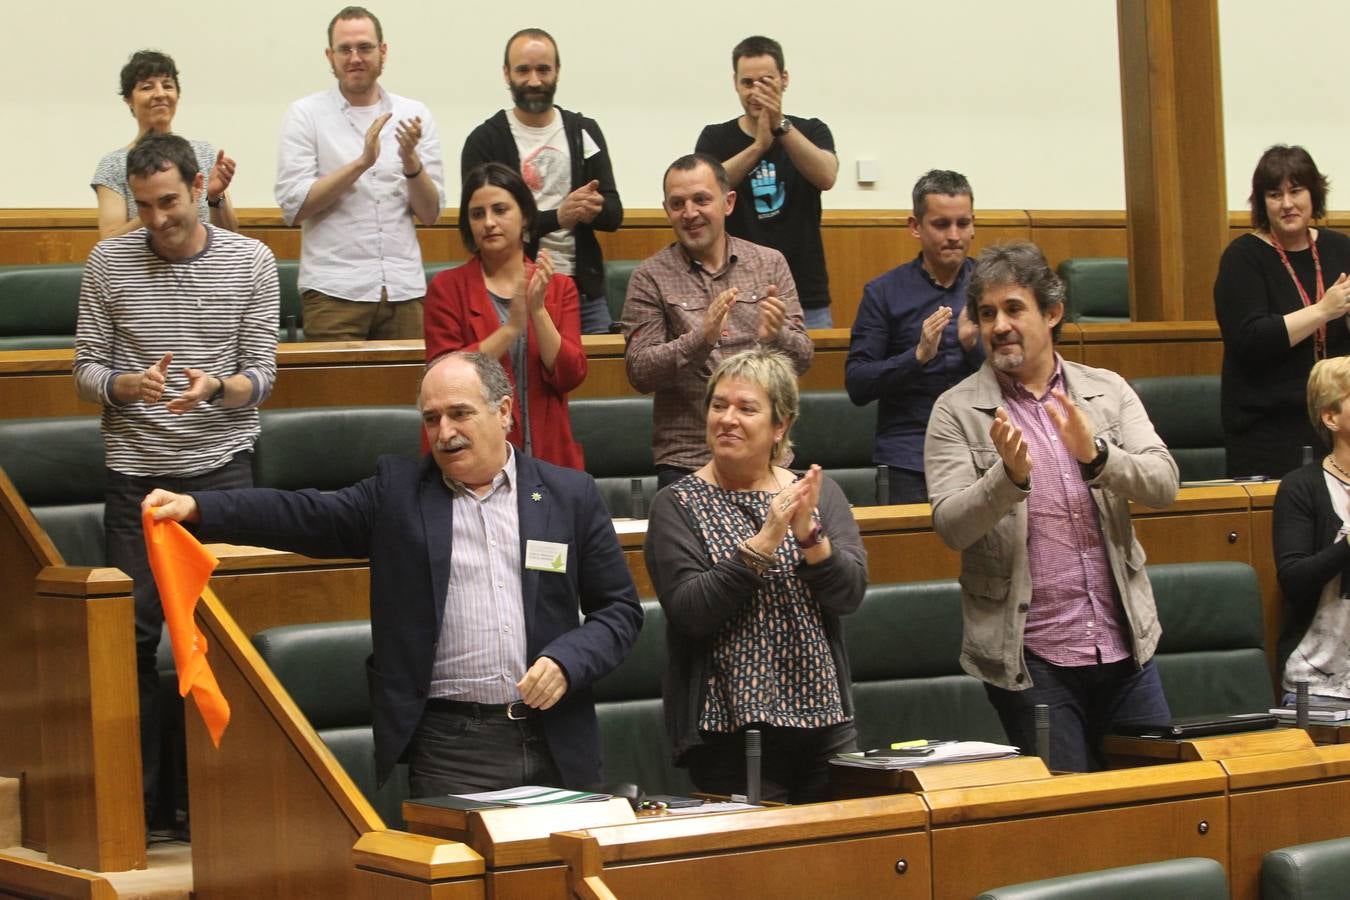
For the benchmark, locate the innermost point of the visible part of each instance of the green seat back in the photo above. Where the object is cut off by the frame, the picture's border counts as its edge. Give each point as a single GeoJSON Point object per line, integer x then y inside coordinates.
{"type": "Point", "coordinates": [1317, 871]}
{"type": "Point", "coordinates": [1195, 878]}
{"type": "Point", "coordinates": [615, 433]}
{"type": "Point", "coordinates": [617, 274]}
{"type": "Point", "coordinates": [1097, 289]}
{"type": "Point", "coordinates": [331, 447]}
{"type": "Point", "coordinates": [39, 305]}
{"type": "Point", "coordinates": [1184, 409]}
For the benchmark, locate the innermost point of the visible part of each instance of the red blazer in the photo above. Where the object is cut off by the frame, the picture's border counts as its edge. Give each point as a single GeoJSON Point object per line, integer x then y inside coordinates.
{"type": "Point", "coordinates": [459, 315]}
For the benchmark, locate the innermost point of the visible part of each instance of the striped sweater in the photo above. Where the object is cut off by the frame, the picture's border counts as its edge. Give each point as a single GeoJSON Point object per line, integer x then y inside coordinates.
{"type": "Point", "coordinates": [217, 311]}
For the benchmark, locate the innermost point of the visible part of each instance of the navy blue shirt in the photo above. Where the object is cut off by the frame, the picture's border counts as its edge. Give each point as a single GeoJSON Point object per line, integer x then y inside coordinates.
{"type": "Point", "coordinates": [881, 363]}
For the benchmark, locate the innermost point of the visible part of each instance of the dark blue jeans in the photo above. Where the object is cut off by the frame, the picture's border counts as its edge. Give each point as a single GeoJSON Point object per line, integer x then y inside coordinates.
{"type": "Point", "coordinates": [595, 315]}
{"type": "Point", "coordinates": [794, 762]}
{"type": "Point", "coordinates": [1085, 702]}
{"type": "Point", "coordinates": [466, 752]}
{"type": "Point", "coordinates": [907, 486]}
{"type": "Point", "coordinates": [125, 545]}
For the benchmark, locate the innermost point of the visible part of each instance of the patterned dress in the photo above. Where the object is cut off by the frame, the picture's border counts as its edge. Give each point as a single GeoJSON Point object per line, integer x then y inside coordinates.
{"type": "Point", "coordinates": [771, 661]}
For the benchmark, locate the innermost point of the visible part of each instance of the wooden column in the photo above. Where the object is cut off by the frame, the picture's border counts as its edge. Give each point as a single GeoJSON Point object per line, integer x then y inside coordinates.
{"type": "Point", "coordinates": [1175, 196]}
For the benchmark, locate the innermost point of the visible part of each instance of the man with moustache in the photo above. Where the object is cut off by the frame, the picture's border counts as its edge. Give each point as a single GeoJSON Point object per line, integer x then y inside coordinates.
{"type": "Point", "coordinates": [483, 562]}
{"type": "Point", "coordinates": [354, 182]}
{"type": "Point", "coordinates": [703, 298]}
{"type": "Point", "coordinates": [1032, 463]}
{"type": "Point", "coordinates": [779, 165]}
{"type": "Point", "coordinates": [911, 338]}
{"type": "Point", "coordinates": [177, 341]}
{"type": "Point", "coordinates": [563, 157]}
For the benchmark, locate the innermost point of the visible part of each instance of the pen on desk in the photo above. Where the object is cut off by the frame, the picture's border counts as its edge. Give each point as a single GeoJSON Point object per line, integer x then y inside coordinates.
{"type": "Point", "coordinates": [920, 742]}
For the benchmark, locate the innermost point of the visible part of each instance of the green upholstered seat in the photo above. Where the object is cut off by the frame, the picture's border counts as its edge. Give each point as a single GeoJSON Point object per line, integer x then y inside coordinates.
{"type": "Point", "coordinates": [57, 466]}
{"type": "Point", "coordinates": [633, 738]}
{"type": "Point", "coordinates": [1195, 878]}
{"type": "Point", "coordinates": [617, 274]}
{"type": "Point", "coordinates": [615, 434]}
{"type": "Point", "coordinates": [1318, 871]}
{"type": "Point", "coordinates": [323, 667]}
{"type": "Point", "coordinates": [39, 305]}
{"type": "Point", "coordinates": [331, 447]}
{"type": "Point", "coordinates": [1211, 657]}
{"type": "Point", "coordinates": [904, 645]}
{"type": "Point", "coordinates": [1097, 289]}
{"type": "Point", "coordinates": [836, 435]}
{"type": "Point", "coordinates": [1184, 409]}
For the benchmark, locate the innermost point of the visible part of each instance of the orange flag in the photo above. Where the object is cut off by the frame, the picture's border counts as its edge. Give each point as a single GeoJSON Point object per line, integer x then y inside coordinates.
{"type": "Point", "coordinates": [182, 566]}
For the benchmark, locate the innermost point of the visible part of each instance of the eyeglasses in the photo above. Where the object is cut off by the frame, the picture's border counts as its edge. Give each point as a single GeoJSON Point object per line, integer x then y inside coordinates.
{"type": "Point", "coordinates": [359, 49]}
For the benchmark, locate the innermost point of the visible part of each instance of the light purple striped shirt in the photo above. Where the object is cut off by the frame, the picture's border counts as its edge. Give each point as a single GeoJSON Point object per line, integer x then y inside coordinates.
{"type": "Point", "coordinates": [1076, 617]}
{"type": "Point", "coordinates": [480, 655]}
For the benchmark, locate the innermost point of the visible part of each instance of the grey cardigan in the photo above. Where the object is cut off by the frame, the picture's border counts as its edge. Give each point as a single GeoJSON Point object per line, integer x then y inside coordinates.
{"type": "Point", "coordinates": [979, 511]}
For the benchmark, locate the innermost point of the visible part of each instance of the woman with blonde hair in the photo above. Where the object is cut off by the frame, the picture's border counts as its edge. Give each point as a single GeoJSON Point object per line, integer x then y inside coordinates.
{"type": "Point", "coordinates": [1312, 556]}
{"type": "Point", "coordinates": [753, 566]}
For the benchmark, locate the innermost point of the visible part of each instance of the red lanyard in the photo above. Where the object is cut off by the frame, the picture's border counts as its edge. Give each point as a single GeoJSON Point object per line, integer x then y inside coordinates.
{"type": "Point", "coordinates": [1320, 341]}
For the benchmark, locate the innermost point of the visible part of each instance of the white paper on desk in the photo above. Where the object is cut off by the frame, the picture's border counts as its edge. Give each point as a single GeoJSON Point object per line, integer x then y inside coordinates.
{"type": "Point", "coordinates": [957, 751]}
{"type": "Point", "coordinates": [712, 807]}
{"type": "Point", "coordinates": [534, 795]}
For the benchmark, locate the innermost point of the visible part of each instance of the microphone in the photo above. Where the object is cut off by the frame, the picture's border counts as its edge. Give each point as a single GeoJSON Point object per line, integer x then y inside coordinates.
{"type": "Point", "coordinates": [883, 485]}
{"type": "Point", "coordinates": [1301, 704]}
{"type": "Point", "coordinates": [639, 507]}
{"type": "Point", "coordinates": [752, 761]}
{"type": "Point", "coordinates": [1042, 713]}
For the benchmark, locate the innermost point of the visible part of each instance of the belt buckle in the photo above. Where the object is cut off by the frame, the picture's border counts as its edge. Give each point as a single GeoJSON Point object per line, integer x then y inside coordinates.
{"type": "Point", "coordinates": [512, 708]}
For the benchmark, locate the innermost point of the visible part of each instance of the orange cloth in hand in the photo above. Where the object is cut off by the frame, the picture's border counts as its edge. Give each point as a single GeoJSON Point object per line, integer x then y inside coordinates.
{"type": "Point", "coordinates": [182, 566]}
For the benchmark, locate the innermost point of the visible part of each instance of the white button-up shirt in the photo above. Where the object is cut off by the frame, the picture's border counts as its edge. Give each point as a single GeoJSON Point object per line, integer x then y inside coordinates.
{"type": "Point", "coordinates": [365, 242]}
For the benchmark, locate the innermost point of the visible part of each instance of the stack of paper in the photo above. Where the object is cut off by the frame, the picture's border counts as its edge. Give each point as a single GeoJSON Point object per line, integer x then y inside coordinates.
{"type": "Point", "coordinates": [1316, 713]}
{"type": "Point", "coordinates": [533, 795]}
{"type": "Point", "coordinates": [941, 752]}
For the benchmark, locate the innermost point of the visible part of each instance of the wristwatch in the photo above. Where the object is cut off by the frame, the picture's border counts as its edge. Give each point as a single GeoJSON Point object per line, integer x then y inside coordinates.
{"type": "Point", "coordinates": [219, 392]}
{"type": "Point", "coordinates": [815, 537]}
{"type": "Point", "coordinates": [1090, 469]}
{"type": "Point", "coordinates": [782, 128]}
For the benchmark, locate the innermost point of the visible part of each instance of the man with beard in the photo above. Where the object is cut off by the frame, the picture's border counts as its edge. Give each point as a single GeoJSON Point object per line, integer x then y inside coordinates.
{"type": "Point", "coordinates": [779, 165]}
{"type": "Point", "coordinates": [563, 157]}
{"type": "Point", "coordinates": [1032, 463]}
{"type": "Point", "coordinates": [705, 297]}
{"type": "Point", "coordinates": [911, 341]}
{"type": "Point", "coordinates": [354, 181]}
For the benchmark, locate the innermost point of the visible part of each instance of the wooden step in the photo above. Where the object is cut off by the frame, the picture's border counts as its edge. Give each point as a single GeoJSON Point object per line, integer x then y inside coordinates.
{"type": "Point", "coordinates": [27, 873]}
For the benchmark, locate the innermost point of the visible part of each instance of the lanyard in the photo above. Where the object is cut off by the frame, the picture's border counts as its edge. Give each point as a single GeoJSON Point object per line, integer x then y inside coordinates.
{"type": "Point", "coordinates": [1320, 341]}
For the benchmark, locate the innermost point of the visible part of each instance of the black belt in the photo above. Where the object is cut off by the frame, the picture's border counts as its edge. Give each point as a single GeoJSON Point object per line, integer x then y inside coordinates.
{"type": "Point", "coordinates": [515, 711]}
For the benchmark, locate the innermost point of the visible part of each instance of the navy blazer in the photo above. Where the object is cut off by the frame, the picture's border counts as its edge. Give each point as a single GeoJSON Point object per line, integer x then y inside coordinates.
{"type": "Point", "coordinates": [400, 518]}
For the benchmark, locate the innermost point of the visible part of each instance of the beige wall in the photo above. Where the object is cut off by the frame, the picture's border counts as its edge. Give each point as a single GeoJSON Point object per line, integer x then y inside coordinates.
{"type": "Point", "coordinates": [1023, 97]}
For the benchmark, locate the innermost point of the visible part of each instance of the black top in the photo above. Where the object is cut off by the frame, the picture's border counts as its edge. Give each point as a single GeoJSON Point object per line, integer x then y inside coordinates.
{"type": "Point", "coordinates": [776, 206]}
{"type": "Point", "coordinates": [493, 142]}
{"type": "Point", "coordinates": [1307, 554]}
{"type": "Point", "coordinates": [1264, 394]}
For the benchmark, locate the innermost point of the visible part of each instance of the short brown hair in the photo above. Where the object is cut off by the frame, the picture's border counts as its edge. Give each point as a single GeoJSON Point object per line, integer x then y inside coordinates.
{"type": "Point", "coordinates": [1275, 165]}
{"type": "Point", "coordinates": [1328, 386]}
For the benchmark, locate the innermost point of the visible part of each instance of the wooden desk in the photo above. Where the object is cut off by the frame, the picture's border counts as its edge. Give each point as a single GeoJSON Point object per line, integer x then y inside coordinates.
{"type": "Point", "coordinates": [985, 837]}
{"type": "Point", "coordinates": [514, 842]}
{"type": "Point", "coordinates": [852, 781]}
{"type": "Point", "coordinates": [1122, 751]}
{"type": "Point", "coordinates": [872, 847]}
{"type": "Point", "coordinates": [1281, 799]}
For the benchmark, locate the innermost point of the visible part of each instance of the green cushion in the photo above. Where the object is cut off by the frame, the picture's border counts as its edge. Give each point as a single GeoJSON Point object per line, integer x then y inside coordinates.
{"type": "Point", "coordinates": [330, 448]}
{"type": "Point", "coordinates": [615, 433]}
{"type": "Point", "coordinates": [39, 300]}
{"type": "Point", "coordinates": [77, 531]}
{"type": "Point", "coordinates": [54, 460]}
{"type": "Point", "coordinates": [1195, 878]}
{"type": "Point", "coordinates": [833, 433]}
{"type": "Point", "coordinates": [617, 274]}
{"type": "Point", "coordinates": [1318, 871]}
{"type": "Point", "coordinates": [1185, 411]}
{"type": "Point", "coordinates": [1098, 289]}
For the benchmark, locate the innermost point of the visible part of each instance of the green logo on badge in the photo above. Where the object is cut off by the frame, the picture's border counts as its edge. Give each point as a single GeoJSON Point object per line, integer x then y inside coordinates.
{"type": "Point", "coordinates": [557, 563]}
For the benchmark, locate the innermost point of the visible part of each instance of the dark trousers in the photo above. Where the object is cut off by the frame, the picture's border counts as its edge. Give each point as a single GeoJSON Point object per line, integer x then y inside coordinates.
{"type": "Point", "coordinates": [794, 762]}
{"type": "Point", "coordinates": [125, 546]}
{"type": "Point", "coordinates": [668, 475]}
{"type": "Point", "coordinates": [1085, 702]}
{"type": "Point", "coordinates": [595, 315]}
{"type": "Point", "coordinates": [464, 752]}
{"type": "Point", "coordinates": [907, 486]}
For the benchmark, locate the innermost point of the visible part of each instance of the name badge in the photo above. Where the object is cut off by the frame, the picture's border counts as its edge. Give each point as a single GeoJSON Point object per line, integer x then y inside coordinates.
{"type": "Point", "coordinates": [546, 556]}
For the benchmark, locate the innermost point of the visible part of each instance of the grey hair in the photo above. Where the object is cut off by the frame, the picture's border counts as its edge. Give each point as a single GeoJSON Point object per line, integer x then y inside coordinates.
{"type": "Point", "coordinates": [493, 378]}
{"type": "Point", "coordinates": [938, 181]}
{"type": "Point", "coordinates": [1018, 263]}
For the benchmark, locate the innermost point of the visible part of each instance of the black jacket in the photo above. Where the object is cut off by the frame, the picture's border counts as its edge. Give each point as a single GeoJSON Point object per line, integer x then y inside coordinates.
{"type": "Point", "coordinates": [492, 142]}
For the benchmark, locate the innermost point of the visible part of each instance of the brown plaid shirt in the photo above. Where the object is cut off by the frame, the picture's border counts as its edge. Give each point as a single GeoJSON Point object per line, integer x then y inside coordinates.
{"type": "Point", "coordinates": [663, 327]}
